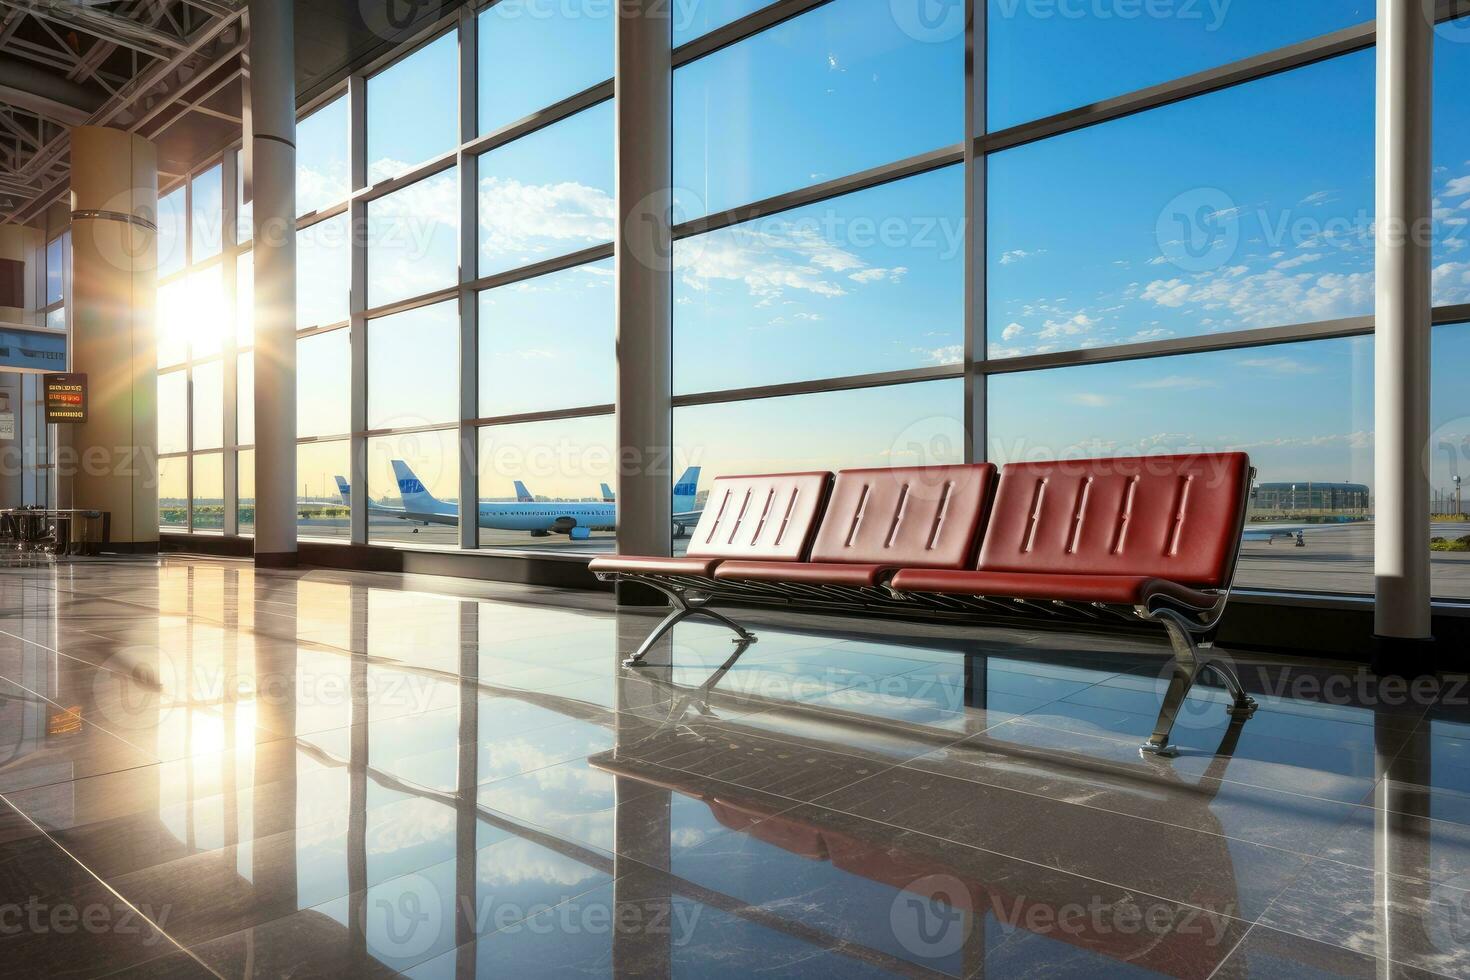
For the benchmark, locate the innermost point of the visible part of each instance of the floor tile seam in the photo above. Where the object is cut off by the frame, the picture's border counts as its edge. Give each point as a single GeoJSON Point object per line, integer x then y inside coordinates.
{"type": "Point", "coordinates": [1266, 927]}
{"type": "Point", "coordinates": [1041, 864]}
{"type": "Point", "coordinates": [1020, 719]}
{"type": "Point", "coordinates": [106, 886]}
{"type": "Point", "coordinates": [1306, 857]}
{"type": "Point", "coordinates": [104, 730]}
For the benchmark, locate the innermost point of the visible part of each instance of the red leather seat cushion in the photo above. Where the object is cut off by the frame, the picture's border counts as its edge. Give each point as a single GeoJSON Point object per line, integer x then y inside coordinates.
{"type": "Point", "coordinates": [643, 565]}
{"type": "Point", "coordinates": [1171, 517]}
{"type": "Point", "coordinates": [906, 516]}
{"type": "Point", "coordinates": [1115, 589]}
{"type": "Point", "coordinates": [811, 573]}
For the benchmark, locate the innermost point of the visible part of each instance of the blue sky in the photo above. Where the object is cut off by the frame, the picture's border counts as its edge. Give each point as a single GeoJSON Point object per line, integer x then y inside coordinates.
{"type": "Point", "coordinates": [1047, 56]}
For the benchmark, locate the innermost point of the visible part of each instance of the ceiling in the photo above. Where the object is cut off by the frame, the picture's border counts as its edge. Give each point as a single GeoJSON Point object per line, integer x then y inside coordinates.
{"type": "Point", "coordinates": [172, 70]}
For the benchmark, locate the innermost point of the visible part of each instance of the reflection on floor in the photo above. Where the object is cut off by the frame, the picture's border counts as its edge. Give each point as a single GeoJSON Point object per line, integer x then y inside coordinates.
{"type": "Point", "coordinates": [212, 771]}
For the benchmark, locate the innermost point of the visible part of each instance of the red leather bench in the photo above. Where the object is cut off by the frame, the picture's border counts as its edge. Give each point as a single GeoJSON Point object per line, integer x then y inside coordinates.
{"type": "Point", "coordinates": [1098, 541]}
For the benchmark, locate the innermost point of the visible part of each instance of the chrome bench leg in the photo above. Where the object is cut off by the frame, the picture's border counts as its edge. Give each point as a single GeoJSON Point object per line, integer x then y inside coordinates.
{"type": "Point", "coordinates": [683, 609]}
{"type": "Point", "coordinates": [1187, 668]}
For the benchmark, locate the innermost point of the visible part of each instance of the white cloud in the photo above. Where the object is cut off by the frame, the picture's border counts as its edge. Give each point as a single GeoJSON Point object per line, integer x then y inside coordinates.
{"type": "Point", "coordinates": [1018, 254]}
{"type": "Point", "coordinates": [895, 274]}
{"type": "Point", "coordinates": [1269, 297]}
{"type": "Point", "coordinates": [775, 258]}
{"type": "Point", "coordinates": [1091, 399]}
{"type": "Point", "coordinates": [1079, 323]}
{"type": "Point", "coordinates": [1180, 382]}
{"type": "Point", "coordinates": [1302, 259]}
{"type": "Point", "coordinates": [1012, 331]}
{"type": "Point", "coordinates": [1167, 292]}
{"type": "Point", "coordinates": [1277, 365]}
{"type": "Point", "coordinates": [516, 217]}
{"type": "Point", "coordinates": [1458, 187]}
{"type": "Point", "coordinates": [1451, 283]}
{"type": "Point", "coordinates": [949, 354]}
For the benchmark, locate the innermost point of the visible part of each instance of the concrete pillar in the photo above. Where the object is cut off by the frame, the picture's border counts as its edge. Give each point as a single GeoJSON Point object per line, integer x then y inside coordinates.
{"type": "Point", "coordinates": [114, 240]}
{"type": "Point", "coordinates": [20, 244]}
{"type": "Point", "coordinates": [1401, 370]}
{"type": "Point", "coordinates": [273, 148]}
{"type": "Point", "coordinates": [644, 83]}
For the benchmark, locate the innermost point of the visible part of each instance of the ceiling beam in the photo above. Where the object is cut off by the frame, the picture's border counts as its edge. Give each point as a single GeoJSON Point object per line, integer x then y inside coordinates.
{"type": "Point", "coordinates": [102, 24]}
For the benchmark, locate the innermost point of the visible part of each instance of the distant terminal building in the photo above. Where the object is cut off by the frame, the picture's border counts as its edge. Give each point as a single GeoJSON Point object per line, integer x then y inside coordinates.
{"type": "Point", "coordinates": [1310, 497]}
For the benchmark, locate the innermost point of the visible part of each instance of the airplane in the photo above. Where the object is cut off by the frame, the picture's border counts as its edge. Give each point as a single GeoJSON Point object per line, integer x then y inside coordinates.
{"type": "Point", "coordinates": [523, 495]}
{"type": "Point", "coordinates": [574, 518]}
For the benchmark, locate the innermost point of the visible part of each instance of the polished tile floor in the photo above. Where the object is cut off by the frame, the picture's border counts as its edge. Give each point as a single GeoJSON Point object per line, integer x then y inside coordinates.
{"type": "Point", "coordinates": [208, 770]}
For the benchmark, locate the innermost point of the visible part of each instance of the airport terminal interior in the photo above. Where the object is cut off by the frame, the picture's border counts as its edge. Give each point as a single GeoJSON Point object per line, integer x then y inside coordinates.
{"type": "Point", "coordinates": [726, 488]}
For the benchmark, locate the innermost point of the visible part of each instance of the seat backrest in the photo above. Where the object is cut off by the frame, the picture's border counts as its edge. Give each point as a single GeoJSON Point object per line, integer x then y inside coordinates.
{"type": "Point", "coordinates": [907, 516]}
{"type": "Point", "coordinates": [760, 518]}
{"type": "Point", "coordinates": [1173, 517]}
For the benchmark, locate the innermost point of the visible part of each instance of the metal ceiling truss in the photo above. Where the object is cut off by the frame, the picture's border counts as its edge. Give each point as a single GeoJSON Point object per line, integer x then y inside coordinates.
{"type": "Point", "coordinates": [139, 65]}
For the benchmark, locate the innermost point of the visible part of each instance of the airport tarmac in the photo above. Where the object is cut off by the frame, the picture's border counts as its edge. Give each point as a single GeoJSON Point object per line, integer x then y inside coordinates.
{"type": "Point", "coordinates": [1337, 558]}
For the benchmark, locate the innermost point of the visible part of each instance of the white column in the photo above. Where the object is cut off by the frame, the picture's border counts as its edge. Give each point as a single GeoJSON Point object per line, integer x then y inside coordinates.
{"type": "Point", "coordinates": [273, 145]}
{"type": "Point", "coordinates": [1401, 369]}
{"type": "Point", "coordinates": [644, 247]}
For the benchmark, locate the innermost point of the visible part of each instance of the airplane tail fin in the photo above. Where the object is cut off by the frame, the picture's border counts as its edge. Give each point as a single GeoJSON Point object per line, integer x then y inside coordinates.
{"type": "Point", "coordinates": [522, 494]}
{"type": "Point", "coordinates": [415, 497]}
{"type": "Point", "coordinates": [686, 490]}
{"type": "Point", "coordinates": [344, 491]}
{"type": "Point", "coordinates": [607, 494]}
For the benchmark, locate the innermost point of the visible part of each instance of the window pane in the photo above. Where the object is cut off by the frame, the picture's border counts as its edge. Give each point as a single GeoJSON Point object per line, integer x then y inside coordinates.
{"type": "Point", "coordinates": [548, 193]}
{"type": "Point", "coordinates": [323, 175]}
{"type": "Point", "coordinates": [872, 281]}
{"type": "Point", "coordinates": [245, 299]}
{"type": "Point", "coordinates": [1046, 57]}
{"type": "Point", "coordinates": [173, 493]}
{"type": "Point", "coordinates": [826, 94]}
{"type": "Point", "coordinates": [1168, 231]}
{"type": "Point", "coordinates": [208, 211]}
{"type": "Point", "coordinates": [323, 384]}
{"type": "Point", "coordinates": [324, 272]}
{"type": "Point", "coordinates": [548, 342]}
{"type": "Point", "coordinates": [174, 318]}
{"type": "Point", "coordinates": [563, 465]}
{"type": "Point", "coordinates": [413, 240]}
{"type": "Point", "coordinates": [55, 259]}
{"type": "Point", "coordinates": [209, 406]}
{"type": "Point", "coordinates": [692, 20]}
{"type": "Point", "coordinates": [422, 507]}
{"type": "Point", "coordinates": [412, 110]}
{"type": "Point", "coordinates": [245, 492]}
{"type": "Point", "coordinates": [1449, 463]}
{"type": "Point", "coordinates": [1304, 413]}
{"type": "Point", "coordinates": [173, 412]}
{"type": "Point", "coordinates": [535, 54]}
{"type": "Point", "coordinates": [245, 395]}
{"type": "Point", "coordinates": [245, 210]}
{"type": "Point", "coordinates": [902, 425]}
{"type": "Point", "coordinates": [206, 317]}
{"type": "Point", "coordinates": [171, 234]}
{"type": "Point", "coordinates": [209, 492]}
{"type": "Point", "coordinates": [322, 510]}
{"type": "Point", "coordinates": [1452, 163]}
{"type": "Point", "coordinates": [413, 368]}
